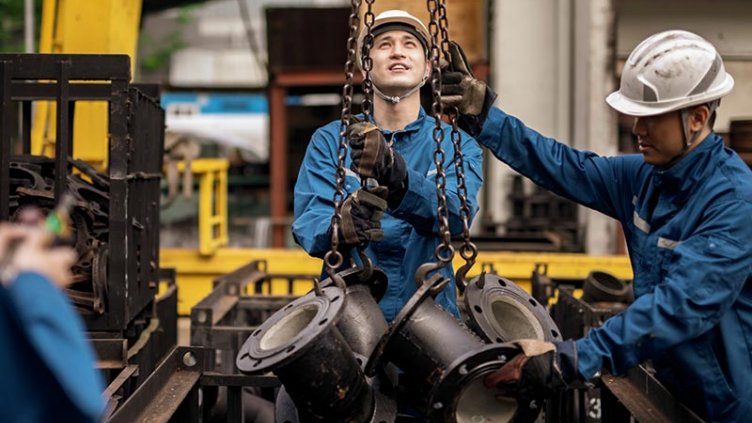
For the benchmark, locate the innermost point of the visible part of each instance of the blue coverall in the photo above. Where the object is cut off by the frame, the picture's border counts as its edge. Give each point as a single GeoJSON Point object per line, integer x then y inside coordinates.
{"type": "Point", "coordinates": [689, 233]}
{"type": "Point", "coordinates": [411, 229]}
{"type": "Point", "coordinates": [45, 361]}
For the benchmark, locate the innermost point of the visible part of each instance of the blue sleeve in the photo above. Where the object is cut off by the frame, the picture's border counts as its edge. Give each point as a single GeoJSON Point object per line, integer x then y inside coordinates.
{"type": "Point", "coordinates": [56, 332]}
{"type": "Point", "coordinates": [314, 193]}
{"type": "Point", "coordinates": [705, 277]}
{"type": "Point", "coordinates": [601, 183]}
{"type": "Point", "coordinates": [420, 203]}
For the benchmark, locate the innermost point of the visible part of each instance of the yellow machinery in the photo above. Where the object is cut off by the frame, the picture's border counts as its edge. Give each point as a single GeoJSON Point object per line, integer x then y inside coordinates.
{"type": "Point", "coordinates": [84, 26]}
{"type": "Point", "coordinates": [212, 203]}
{"type": "Point", "coordinates": [195, 272]}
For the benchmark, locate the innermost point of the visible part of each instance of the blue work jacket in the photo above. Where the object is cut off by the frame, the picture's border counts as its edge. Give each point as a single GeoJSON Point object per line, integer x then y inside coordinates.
{"type": "Point", "coordinates": [46, 362]}
{"type": "Point", "coordinates": [689, 233]}
{"type": "Point", "coordinates": [411, 229]}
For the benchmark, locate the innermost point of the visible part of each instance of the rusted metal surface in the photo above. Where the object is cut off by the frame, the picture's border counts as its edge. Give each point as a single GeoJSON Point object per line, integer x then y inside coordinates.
{"type": "Point", "coordinates": [219, 320]}
{"type": "Point", "coordinates": [112, 353]}
{"type": "Point", "coordinates": [637, 395]}
{"type": "Point", "coordinates": [116, 217]}
{"type": "Point", "coordinates": [278, 161]}
{"type": "Point", "coordinates": [644, 398]}
{"type": "Point", "coordinates": [169, 388]}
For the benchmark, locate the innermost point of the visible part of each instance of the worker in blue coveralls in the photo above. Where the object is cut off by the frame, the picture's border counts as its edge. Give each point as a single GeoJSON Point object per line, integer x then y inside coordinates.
{"type": "Point", "coordinates": [685, 204]}
{"type": "Point", "coordinates": [46, 362]}
{"type": "Point", "coordinates": [396, 149]}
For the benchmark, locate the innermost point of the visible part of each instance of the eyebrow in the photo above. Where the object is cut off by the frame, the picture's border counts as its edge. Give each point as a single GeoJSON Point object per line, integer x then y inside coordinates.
{"type": "Point", "coordinates": [403, 37]}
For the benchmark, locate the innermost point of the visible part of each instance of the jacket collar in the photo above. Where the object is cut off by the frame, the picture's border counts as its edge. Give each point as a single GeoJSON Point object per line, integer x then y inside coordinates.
{"type": "Point", "coordinates": [691, 169]}
{"type": "Point", "coordinates": [413, 126]}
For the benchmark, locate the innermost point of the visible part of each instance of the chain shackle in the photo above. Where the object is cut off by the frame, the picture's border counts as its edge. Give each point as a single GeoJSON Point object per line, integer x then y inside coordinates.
{"type": "Point", "coordinates": [334, 258]}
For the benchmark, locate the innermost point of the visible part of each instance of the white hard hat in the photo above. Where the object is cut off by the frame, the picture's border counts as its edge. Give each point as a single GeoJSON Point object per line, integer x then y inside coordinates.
{"type": "Point", "coordinates": [670, 71]}
{"type": "Point", "coordinates": [390, 20]}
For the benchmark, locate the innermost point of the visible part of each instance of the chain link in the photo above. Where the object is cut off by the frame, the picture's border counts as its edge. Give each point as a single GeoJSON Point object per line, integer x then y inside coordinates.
{"type": "Point", "coordinates": [468, 251]}
{"type": "Point", "coordinates": [444, 27]}
{"type": "Point", "coordinates": [444, 251]}
{"type": "Point", "coordinates": [366, 61]}
{"type": "Point", "coordinates": [333, 258]}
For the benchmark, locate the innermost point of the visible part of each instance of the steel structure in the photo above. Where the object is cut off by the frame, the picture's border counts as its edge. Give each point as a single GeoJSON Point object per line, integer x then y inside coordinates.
{"type": "Point", "coordinates": [116, 212]}
{"type": "Point", "coordinates": [636, 395]}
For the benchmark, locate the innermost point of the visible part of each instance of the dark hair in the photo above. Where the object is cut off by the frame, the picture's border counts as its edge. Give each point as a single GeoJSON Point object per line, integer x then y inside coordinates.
{"type": "Point", "coordinates": [399, 26]}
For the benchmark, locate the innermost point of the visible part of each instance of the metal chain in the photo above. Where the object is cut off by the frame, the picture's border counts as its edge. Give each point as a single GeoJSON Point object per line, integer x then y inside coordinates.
{"type": "Point", "coordinates": [366, 61]}
{"type": "Point", "coordinates": [333, 258]}
{"type": "Point", "coordinates": [468, 251]}
{"type": "Point", "coordinates": [444, 28]}
{"type": "Point", "coordinates": [444, 251]}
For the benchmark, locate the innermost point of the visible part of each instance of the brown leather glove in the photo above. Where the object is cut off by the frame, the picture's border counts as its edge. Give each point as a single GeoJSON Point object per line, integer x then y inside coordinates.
{"type": "Point", "coordinates": [459, 88]}
{"type": "Point", "coordinates": [361, 217]}
{"type": "Point", "coordinates": [373, 158]}
{"type": "Point", "coordinates": [538, 370]}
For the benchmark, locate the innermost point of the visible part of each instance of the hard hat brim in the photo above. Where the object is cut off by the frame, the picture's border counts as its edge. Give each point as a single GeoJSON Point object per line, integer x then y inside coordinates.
{"type": "Point", "coordinates": [632, 107]}
{"type": "Point", "coordinates": [408, 21]}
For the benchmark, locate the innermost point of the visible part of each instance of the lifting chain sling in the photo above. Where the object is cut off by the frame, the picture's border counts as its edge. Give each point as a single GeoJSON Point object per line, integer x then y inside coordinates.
{"type": "Point", "coordinates": [468, 251]}
{"type": "Point", "coordinates": [367, 62]}
{"type": "Point", "coordinates": [445, 251]}
{"type": "Point", "coordinates": [334, 258]}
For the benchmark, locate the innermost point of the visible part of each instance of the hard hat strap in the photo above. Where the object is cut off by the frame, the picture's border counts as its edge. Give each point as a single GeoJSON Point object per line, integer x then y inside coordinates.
{"type": "Point", "coordinates": [690, 138]}
{"type": "Point", "coordinates": [394, 99]}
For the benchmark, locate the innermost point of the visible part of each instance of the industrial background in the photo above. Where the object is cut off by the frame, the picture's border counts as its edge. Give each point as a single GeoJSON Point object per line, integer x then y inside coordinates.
{"type": "Point", "coordinates": [239, 86]}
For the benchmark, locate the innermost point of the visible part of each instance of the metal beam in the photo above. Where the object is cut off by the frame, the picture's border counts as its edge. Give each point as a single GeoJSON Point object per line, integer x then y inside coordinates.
{"type": "Point", "coordinates": [164, 392]}
{"type": "Point", "coordinates": [646, 399]}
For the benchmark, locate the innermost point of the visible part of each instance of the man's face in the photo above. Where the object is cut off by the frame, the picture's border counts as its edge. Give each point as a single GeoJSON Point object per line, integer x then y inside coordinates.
{"type": "Point", "coordinates": [399, 62]}
{"type": "Point", "coordinates": [660, 138]}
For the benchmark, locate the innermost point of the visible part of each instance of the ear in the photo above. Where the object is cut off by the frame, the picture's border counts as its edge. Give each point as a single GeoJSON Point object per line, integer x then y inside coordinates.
{"type": "Point", "coordinates": [699, 117]}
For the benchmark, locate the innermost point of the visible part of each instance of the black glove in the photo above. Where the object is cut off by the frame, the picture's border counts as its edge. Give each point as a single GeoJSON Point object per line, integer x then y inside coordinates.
{"type": "Point", "coordinates": [361, 217]}
{"type": "Point", "coordinates": [373, 158]}
{"type": "Point", "coordinates": [538, 370]}
{"type": "Point", "coordinates": [460, 88]}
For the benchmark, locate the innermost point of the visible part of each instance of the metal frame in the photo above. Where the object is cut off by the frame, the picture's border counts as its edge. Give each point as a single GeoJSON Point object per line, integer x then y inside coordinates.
{"type": "Point", "coordinates": [639, 394]}
{"type": "Point", "coordinates": [635, 395]}
{"type": "Point", "coordinates": [226, 317]}
{"type": "Point", "coordinates": [136, 131]}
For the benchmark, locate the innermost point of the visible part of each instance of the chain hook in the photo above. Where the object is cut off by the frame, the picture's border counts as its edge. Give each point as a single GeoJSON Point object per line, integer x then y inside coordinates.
{"type": "Point", "coordinates": [367, 266]}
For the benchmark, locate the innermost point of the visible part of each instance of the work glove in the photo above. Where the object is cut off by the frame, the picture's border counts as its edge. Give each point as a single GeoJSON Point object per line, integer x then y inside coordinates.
{"type": "Point", "coordinates": [460, 88]}
{"type": "Point", "coordinates": [373, 158]}
{"type": "Point", "coordinates": [361, 217]}
{"type": "Point", "coordinates": [540, 369]}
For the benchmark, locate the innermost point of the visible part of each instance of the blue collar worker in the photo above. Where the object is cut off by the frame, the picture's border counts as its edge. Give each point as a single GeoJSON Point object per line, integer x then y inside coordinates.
{"type": "Point", "coordinates": [397, 222]}
{"type": "Point", "coordinates": [685, 204]}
